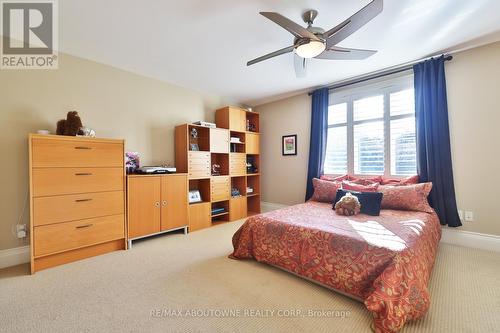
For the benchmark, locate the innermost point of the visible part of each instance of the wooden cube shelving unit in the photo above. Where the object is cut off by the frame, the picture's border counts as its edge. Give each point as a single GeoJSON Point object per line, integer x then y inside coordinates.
{"type": "Point", "coordinates": [215, 147]}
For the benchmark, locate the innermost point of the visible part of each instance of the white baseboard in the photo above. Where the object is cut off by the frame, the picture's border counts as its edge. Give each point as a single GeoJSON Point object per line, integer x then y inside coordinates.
{"type": "Point", "coordinates": [471, 239]}
{"type": "Point", "coordinates": [450, 236]}
{"type": "Point", "coordinates": [15, 256]}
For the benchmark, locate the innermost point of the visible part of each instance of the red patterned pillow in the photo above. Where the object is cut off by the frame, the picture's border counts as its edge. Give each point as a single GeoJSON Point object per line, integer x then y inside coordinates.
{"type": "Point", "coordinates": [401, 181]}
{"type": "Point", "coordinates": [353, 186]}
{"type": "Point", "coordinates": [406, 197]}
{"type": "Point", "coordinates": [367, 180]}
{"type": "Point", "coordinates": [324, 190]}
{"type": "Point", "coordinates": [334, 178]}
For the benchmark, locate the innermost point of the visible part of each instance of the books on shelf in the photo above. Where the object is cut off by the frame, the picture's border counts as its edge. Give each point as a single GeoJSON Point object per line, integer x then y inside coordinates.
{"type": "Point", "coordinates": [205, 124]}
{"type": "Point", "coordinates": [235, 140]}
{"type": "Point", "coordinates": [216, 211]}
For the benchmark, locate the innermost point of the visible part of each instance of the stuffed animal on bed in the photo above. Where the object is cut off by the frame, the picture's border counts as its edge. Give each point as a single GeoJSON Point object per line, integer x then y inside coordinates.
{"type": "Point", "coordinates": [348, 205]}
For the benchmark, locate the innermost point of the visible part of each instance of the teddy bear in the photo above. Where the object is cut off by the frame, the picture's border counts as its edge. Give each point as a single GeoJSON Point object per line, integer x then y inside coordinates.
{"type": "Point", "coordinates": [348, 205]}
{"type": "Point", "coordinates": [70, 126]}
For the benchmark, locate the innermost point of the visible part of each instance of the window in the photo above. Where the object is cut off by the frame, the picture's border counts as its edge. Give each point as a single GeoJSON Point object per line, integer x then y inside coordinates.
{"type": "Point", "coordinates": [371, 130]}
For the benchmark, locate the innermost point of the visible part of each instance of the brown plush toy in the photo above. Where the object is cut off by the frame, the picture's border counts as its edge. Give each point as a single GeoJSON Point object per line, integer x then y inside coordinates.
{"type": "Point", "coordinates": [348, 205]}
{"type": "Point", "coordinates": [70, 126]}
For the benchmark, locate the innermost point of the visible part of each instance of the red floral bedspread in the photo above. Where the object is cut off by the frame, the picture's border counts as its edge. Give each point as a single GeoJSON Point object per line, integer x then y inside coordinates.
{"type": "Point", "coordinates": [384, 260]}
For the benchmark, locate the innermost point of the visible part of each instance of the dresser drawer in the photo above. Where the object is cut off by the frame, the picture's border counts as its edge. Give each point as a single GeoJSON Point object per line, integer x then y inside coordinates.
{"type": "Point", "coordinates": [60, 181]}
{"type": "Point", "coordinates": [237, 164]}
{"type": "Point", "coordinates": [71, 235]}
{"type": "Point", "coordinates": [74, 153]}
{"type": "Point", "coordinates": [220, 188]}
{"type": "Point", "coordinates": [199, 164]}
{"type": "Point", "coordinates": [199, 155]}
{"type": "Point", "coordinates": [55, 209]}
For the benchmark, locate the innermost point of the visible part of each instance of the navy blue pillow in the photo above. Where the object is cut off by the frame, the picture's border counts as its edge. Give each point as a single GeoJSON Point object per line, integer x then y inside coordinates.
{"type": "Point", "coordinates": [370, 201]}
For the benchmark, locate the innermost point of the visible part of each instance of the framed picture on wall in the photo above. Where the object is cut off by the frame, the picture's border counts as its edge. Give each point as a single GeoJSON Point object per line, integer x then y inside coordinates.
{"type": "Point", "coordinates": [289, 145]}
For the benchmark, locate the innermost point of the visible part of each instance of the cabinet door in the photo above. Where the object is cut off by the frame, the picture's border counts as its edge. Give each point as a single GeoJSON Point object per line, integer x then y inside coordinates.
{"type": "Point", "coordinates": [252, 143]}
{"type": "Point", "coordinates": [143, 206]}
{"type": "Point", "coordinates": [237, 208]}
{"type": "Point", "coordinates": [199, 216]}
{"type": "Point", "coordinates": [174, 202]}
{"type": "Point", "coordinates": [219, 140]}
{"type": "Point", "coordinates": [237, 120]}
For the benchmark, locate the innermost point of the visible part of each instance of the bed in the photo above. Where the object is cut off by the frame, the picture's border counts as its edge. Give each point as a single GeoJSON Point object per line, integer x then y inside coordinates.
{"type": "Point", "coordinates": [384, 261]}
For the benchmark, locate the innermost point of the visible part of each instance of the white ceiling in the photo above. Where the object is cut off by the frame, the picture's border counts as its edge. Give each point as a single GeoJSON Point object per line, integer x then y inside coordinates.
{"type": "Point", "coordinates": [204, 44]}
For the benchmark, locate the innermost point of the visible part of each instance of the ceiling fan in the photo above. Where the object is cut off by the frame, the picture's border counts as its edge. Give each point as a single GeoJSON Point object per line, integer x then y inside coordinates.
{"type": "Point", "coordinates": [315, 42]}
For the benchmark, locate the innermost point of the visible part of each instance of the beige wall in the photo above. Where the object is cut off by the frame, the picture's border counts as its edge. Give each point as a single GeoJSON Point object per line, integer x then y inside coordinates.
{"type": "Point", "coordinates": [284, 177]}
{"type": "Point", "coordinates": [473, 82]}
{"type": "Point", "coordinates": [473, 78]}
{"type": "Point", "coordinates": [116, 103]}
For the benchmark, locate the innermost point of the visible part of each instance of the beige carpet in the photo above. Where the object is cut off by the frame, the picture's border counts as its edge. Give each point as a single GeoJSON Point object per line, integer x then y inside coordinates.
{"type": "Point", "coordinates": [117, 293]}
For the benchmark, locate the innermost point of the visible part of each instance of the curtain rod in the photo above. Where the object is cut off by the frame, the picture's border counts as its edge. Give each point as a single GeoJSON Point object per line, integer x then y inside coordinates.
{"type": "Point", "coordinates": [379, 74]}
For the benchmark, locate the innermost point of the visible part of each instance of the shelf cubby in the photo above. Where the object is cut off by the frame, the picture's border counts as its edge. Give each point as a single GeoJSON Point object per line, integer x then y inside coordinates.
{"type": "Point", "coordinates": [237, 147]}
{"type": "Point", "coordinates": [239, 183]}
{"type": "Point", "coordinates": [252, 122]}
{"type": "Point", "coordinates": [221, 216]}
{"type": "Point", "coordinates": [254, 183]}
{"type": "Point", "coordinates": [223, 161]}
{"type": "Point", "coordinates": [254, 160]}
{"type": "Point", "coordinates": [253, 205]}
{"type": "Point", "coordinates": [203, 139]}
{"type": "Point", "coordinates": [202, 185]}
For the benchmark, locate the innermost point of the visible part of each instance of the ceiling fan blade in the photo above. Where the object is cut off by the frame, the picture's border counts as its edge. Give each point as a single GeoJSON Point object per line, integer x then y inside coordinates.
{"type": "Point", "coordinates": [340, 53]}
{"type": "Point", "coordinates": [353, 23]}
{"type": "Point", "coordinates": [292, 27]}
{"type": "Point", "coordinates": [271, 55]}
{"type": "Point", "coordinates": [300, 65]}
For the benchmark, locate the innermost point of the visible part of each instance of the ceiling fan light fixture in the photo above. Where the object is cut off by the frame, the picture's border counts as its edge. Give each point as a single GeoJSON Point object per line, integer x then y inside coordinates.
{"type": "Point", "coordinates": [311, 49]}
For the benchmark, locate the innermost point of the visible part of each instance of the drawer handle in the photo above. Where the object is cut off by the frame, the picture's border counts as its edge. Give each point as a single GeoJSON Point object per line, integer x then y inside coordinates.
{"type": "Point", "coordinates": [82, 200]}
{"type": "Point", "coordinates": [83, 147]}
{"type": "Point", "coordinates": [157, 204]}
{"type": "Point", "coordinates": [164, 202]}
{"type": "Point", "coordinates": [83, 174]}
{"type": "Point", "coordinates": [84, 226]}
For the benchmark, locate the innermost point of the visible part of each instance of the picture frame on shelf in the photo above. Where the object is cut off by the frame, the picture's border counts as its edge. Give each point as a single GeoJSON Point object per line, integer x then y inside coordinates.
{"type": "Point", "coordinates": [289, 145]}
{"type": "Point", "coordinates": [194, 196]}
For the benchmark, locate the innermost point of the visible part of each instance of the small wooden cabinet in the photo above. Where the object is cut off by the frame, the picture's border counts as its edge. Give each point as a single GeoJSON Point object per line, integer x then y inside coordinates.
{"type": "Point", "coordinates": [232, 118]}
{"type": "Point", "coordinates": [156, 204]}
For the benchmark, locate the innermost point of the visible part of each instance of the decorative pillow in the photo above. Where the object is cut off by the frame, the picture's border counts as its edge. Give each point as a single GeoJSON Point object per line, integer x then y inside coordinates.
{"type": "Point", "coordinates": [324, 190]}
{"type": "Point", "coordinates": [347, 205]}
{"type": "Point", "coordinates": [334, 178]}
{"type": "Point", "coordinates": [401, 181]}
{"type": "Point", "coordinates": [370, 201]}
{"type": "Point", "coordinates": [352, 186]}
{"type": "Point", "coordinates": [365, 180]}
{"type": "Point", "coordinates": [407, 197]}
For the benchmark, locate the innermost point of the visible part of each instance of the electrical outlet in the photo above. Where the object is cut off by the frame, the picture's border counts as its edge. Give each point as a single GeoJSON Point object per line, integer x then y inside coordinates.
{"type": "Point", "coordinates": [469, 216]}
{"type": "Point", "coordinates": [461, 214]}
{"type": "Point", "coordinates": [21, 230]}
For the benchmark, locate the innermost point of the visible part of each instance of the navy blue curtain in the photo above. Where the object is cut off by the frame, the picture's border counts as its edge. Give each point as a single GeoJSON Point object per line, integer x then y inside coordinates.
{"type": "Point", "coordinates": [317, 145]}
{"type": "Point", "coordinates": [433, 138]}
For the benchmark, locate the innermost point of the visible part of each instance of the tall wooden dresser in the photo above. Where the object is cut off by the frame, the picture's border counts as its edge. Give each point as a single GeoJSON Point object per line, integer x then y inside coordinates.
{"type": "Point", "coordinates": [77, 198]}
